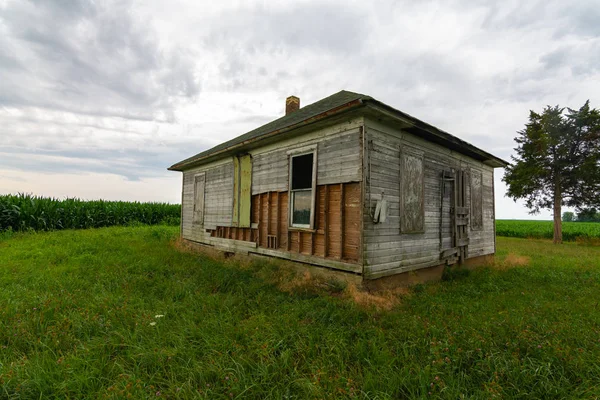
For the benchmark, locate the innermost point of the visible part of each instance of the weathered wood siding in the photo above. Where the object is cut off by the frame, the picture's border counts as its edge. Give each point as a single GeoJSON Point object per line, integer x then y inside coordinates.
{"type": "Point", "coordinates": [336, 240]}
{"type": "Point", "coordinates": [338, 161]}
{"type": "Point", "coordinates": [337, 227]}
{"type": "Point", "coordinates": [388, 251]}
{"type": "Point", "coordinates": [218, 196]}
{"type": "Point", "coordinates": [218, 199]}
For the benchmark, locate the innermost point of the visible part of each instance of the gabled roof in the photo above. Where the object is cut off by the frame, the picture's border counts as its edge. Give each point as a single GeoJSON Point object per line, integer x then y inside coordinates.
{"type": "Point", "coordinates": [333, 105]}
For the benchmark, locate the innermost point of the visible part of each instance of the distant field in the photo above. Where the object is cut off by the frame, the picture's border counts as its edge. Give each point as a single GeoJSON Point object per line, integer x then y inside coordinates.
{"type": "Point", "coordinates": [543, 229]}
{"type": "Point", "coordinates": [25, 212]}
{"type": "Point", "coordinates": [120, 313]}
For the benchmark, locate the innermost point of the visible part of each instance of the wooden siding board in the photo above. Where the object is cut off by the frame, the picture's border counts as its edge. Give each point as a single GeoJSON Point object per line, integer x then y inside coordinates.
{"type": "Point", "coordinates": [218, 200]}
{"type": "Point", "coordinates": [338, 161]}
{"type": "Point", "coordinates": [386, 250]}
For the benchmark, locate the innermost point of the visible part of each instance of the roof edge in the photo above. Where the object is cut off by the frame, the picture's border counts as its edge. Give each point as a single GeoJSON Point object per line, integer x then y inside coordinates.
{"type": "Point", "coordinates": [182, 166]}
{"type": "Point", "coordinates": [494, 161]}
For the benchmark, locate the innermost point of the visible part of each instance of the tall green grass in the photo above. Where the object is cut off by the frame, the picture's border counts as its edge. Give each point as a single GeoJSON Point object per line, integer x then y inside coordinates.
{"type": "Point", "coordinates": [26, 212]}
{"type": "Point", "coordinates": [544, 229]}
{"type": "Point", "coordinates": [119, 312]}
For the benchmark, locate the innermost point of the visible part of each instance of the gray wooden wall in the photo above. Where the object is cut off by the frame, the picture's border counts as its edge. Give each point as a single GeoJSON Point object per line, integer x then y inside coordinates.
{"type": "Point", "coordinates": [386, 251]}
{"type": "Point", "coordinates": [218, 199]}
{"type": "Point", "coordinates": [338, 161]}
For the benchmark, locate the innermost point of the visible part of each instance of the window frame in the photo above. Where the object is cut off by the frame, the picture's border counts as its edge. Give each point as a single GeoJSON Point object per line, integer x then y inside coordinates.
{"type": "Point", "coordinates": [407, 151]}
{"type": "Point", "coordinates": [303, 151]}
{"type": "Point", "coordinates": [476, 204]}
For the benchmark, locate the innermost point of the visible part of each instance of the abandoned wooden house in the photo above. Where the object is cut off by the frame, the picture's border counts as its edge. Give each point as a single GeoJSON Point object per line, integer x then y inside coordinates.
{"type": "Point", "coordinates": [347, 183]}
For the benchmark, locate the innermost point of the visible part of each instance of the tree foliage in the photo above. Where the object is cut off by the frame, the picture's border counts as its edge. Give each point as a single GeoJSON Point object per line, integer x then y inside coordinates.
{"type": "Point", "coordinates": [557, 161]}
{"type": "Point", "coordinates": [568, 216]}
{"type": "Point", "coordinates": [588, 215]}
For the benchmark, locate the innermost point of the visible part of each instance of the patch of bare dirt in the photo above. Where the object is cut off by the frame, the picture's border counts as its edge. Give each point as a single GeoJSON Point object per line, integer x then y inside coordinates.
{"type": "Point", "coordinates": [512, 260]}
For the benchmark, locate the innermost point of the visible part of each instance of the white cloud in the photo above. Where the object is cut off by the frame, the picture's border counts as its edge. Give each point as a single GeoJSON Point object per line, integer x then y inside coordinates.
{"type": "Point", "coordinates": [122, 90]}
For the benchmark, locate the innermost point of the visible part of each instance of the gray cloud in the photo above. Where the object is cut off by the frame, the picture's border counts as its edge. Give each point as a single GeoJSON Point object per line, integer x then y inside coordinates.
{"type": "Point", "coordinates": [328, 26]}
{"type": "Point", "coordinates": [581, 59]}
{"type": "Point", "coordinates": [131, 87]}
{"type": "Point", "coordinates": [91, 58]}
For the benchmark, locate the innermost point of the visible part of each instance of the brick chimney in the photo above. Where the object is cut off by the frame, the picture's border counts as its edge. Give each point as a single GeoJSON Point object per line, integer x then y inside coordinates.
{"type": "Point", "coordinates": [292, 104]}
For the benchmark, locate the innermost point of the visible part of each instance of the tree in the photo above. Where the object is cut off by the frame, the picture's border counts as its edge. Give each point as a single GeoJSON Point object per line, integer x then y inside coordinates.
{"type": "Point", "coordinates": [588, 215]}
{"type": "Point", "coordinates": [557, 162]}
{"type": "Point", "coordinates": [568, 216]}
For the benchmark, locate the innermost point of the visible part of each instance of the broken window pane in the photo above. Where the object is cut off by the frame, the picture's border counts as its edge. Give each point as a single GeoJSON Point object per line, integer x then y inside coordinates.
{"type": "Point", "coordinates": [302, 171]}
{"type": "Point", "coordinates": [301, 207]}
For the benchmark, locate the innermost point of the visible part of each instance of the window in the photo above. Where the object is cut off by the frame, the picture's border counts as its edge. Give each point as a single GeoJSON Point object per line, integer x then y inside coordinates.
{"type": "Point", "coordinates": [302, 190]}
{"type": "Point", "coordinates": [412, 207]}
{"type": "Point", "coordinates": [476, 201]}
{"type": "Point", "coordinates": [199, 199]}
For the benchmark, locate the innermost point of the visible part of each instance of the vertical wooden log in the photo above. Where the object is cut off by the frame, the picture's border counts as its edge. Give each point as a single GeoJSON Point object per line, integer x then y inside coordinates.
{"type": "Point", "coordinates": [316, 218]}
{"type": "Point", "coordinates": [341, 221]}
{"type": "Point", "coordinates": [299, 241]}
{"type": "Point", "coordinates": [326, 222]}
{"type": "Point", "coordinates": [278, 216]}
{"type": "Point", "coordinates": [268, 213]}
{"type": "Point", "coordinates": [259, 218]}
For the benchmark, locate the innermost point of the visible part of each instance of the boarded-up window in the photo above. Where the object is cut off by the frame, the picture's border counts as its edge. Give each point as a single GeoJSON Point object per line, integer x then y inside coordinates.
{"type": "Point", "coordinates": [199, 181]}
{"type": "Point", "coordinates": [242, 186]}
{"type": "Point", "coordinates": [412, 210]}
{"type": "Point", "coordinates": [476, 200]}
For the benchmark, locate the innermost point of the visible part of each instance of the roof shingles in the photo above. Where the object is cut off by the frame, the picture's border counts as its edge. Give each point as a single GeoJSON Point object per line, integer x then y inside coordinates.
{"type": "Point", "coordinates": [304, 113]}
{"type": "Point", "coordinates": [333, 103]}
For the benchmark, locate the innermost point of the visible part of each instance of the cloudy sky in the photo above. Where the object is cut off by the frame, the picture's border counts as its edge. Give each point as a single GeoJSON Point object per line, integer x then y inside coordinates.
{"type": "Point", "coordinates": [98, 98]}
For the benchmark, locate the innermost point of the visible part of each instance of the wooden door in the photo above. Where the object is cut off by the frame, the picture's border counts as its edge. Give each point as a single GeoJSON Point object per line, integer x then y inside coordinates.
{"type": "Point", "coordinates": [461, 216]}
{"type": "Point", "coordinates": [454, 217]}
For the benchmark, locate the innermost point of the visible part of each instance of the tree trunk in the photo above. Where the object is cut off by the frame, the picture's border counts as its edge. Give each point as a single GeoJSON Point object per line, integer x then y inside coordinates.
{"type": "Point", "coordinates": [557, 214]}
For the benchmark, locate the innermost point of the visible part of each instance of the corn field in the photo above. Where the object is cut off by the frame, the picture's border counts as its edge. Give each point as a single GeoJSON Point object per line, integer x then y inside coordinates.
{"type": "Point", "coordinates": [544, 229]}
{"type": "Point", "coordinates": [26, 212]}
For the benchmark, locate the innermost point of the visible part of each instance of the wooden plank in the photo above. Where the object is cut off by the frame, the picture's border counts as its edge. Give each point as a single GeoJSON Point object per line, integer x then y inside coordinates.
{"type": "Point", "coordinates": [341, 221]}
{"type": "Point", "coordinates": [232, 245]}
{"type": "Point", "coordinates": [245, 191]}
{"type": "Point", "coordinates": [440, 227]}
{"type": "Point", "coordinates": [313, 260]}
{"type": "Point", "coordinates": [449, 252]}
{"type": "Point", "coordinates": [278, 205]}
{"type": "Point", "coordinates": [326, 224]}
{"type": "Point", "coordinates": [268, 213]}
{"type": "Point", "coordinates": [462, 221]}
{"type": "Point", "coordinates": [236, 191]}
{"type": "Point", "coordinates": [259, 218]}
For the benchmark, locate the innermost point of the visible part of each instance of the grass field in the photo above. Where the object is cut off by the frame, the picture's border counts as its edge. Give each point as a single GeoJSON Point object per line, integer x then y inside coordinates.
{"type": "Point", "coordinates": [120, 312]}
{"type": "Point", "coordinates": [544, 229]}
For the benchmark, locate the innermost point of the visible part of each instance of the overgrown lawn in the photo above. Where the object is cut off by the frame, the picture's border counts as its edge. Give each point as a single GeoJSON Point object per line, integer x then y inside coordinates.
{"type": "Point", "coordinates": [118, 312]}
